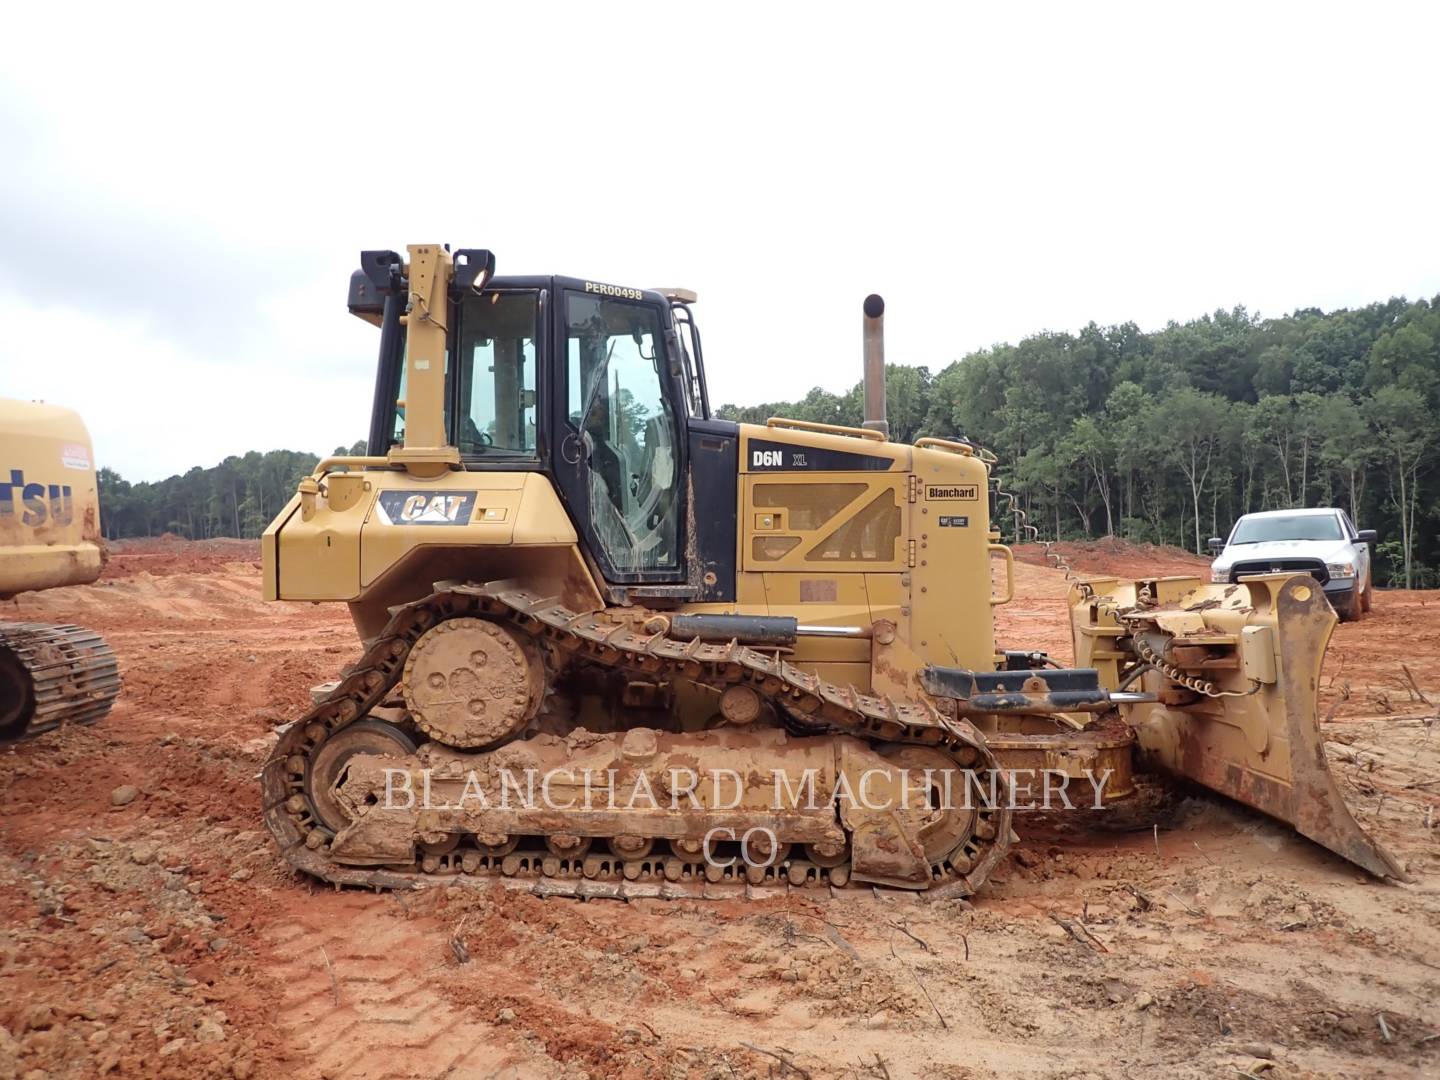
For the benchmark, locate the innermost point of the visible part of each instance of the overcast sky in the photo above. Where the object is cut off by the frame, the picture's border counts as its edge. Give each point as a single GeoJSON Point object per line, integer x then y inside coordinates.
{"type": "Point", "coordinates": [183, 193]}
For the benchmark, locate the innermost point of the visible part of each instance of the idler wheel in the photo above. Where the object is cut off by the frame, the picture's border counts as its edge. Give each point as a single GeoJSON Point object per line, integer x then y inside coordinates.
{"type": "Point", "coordinates": [567, 846]}
{"type": "Point", "coordinates": [828, 854]}
{"type": "Point", "coordinates": [952, 816]}
{"type": "Point", "coordinates": [17, 694]}
{"type": "Point", "coordinates": [441, 846]}
{"type": "Point", "coordinates": [367, 736]}
{"type": "Point", "coordinates": [631, 848]}
{"type": "Point", "coordinates": [740, 705]}
{"type": "Point", "coordinates": [690, 851]}
{"type": "Point", "coordinates": [761, 854]}
{"type": "Point", "coordinates": [471, 682]}
{"type": "Point", "coordinates": [496, 846]}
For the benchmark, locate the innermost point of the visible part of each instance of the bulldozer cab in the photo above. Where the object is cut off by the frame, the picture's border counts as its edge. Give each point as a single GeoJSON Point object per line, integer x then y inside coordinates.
{"type": "Point", "coordinates": [586, 382]}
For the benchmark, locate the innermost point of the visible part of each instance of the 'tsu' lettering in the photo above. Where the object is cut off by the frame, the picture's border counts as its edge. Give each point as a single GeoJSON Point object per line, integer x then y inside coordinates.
{"type": "Point", "coordinates": [30, 499]}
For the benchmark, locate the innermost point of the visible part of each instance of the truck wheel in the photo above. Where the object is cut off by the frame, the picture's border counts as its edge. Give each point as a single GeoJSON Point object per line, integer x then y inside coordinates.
{"type": "Point", "coordinates": [1367, 599]}
{"type": "Point", "coordinates": [1349, 607]}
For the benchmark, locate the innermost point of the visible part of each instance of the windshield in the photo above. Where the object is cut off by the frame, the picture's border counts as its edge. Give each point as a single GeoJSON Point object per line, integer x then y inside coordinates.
{"type": "Point", "coordinates": [1260, 530]}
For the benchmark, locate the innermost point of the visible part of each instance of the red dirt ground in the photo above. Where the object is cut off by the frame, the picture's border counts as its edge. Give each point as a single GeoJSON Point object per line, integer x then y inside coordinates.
{"type": "Point", "coordinates": [163, 937]}
{"type": "Point", "coordinates": [1116, 557]}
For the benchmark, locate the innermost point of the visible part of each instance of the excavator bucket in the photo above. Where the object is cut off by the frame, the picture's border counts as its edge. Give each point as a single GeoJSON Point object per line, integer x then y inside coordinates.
{"type": "Point", "coordinates": [1236, 671]}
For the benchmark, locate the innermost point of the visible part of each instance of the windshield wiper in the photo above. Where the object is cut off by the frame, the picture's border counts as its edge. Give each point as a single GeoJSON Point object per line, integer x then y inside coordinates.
{"type": "Point", "coordinates": [597, 380]}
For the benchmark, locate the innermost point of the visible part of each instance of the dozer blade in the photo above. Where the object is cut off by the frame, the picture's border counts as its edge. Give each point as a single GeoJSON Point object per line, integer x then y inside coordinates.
{"type": "Point", "coordinates": [1261, 644]}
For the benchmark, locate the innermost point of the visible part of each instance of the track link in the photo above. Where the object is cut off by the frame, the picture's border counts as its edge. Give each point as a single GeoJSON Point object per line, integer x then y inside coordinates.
{"type": "Point", "coordinates": [52, 675]}
{"type": "Point", "coordinates": [590, 636]}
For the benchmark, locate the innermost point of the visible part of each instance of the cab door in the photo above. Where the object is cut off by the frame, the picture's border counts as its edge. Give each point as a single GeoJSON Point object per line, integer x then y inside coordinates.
{"type": "Point", "coordinates": [1363, 569]}
{"type": "Point", "coordinates": [619, 458]}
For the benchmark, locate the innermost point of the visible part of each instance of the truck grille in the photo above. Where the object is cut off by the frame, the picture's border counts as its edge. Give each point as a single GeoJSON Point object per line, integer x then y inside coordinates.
{"type": "Point", "coordinates": [1314, 567]}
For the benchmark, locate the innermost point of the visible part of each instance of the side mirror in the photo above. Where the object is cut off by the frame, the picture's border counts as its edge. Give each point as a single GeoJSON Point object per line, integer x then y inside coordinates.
{"type": "Point", "coordinates": [1368, 536]}
{"type": "Point", "coordinates": [1215, 544]}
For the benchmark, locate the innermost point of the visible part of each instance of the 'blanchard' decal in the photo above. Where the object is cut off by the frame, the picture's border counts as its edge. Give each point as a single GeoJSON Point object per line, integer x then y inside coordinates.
{"type": "Point", "coordinates": [426, 507]}
{"type": "Point", "coordinates": [952, 492]}
{"type": "Point", "coordinates": [767, 456]}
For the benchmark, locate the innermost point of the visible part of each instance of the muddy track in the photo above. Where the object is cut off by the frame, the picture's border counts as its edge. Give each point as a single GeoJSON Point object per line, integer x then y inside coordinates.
{"type": "Point", "coordinates": [57, 674]}
{"type": "Point", "coordinates": [820, 706]}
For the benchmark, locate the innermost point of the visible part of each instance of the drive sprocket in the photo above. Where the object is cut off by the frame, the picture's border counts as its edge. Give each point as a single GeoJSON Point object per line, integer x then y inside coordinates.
{"type": "Point", "coordinates": [473, 682]}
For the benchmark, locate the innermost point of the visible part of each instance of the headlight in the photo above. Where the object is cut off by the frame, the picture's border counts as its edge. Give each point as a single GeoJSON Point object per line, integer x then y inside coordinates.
{"type": "Point", "coordinates": [1341, 569]}
{"type": "Point", "coordinates": [1219, 576]}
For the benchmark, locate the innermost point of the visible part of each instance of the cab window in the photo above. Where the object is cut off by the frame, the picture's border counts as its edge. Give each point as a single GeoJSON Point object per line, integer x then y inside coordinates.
{"type": "Point", "coordinates": [617, 402]}
{"type": "Point", "coordinates": [496, 373]}
{"type": "Point", "coordinates": [490, 403]}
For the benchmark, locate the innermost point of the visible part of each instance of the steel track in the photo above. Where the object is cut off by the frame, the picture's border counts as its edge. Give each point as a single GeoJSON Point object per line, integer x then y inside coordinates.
{"type": "Point", "coordinates": [593, 638]}
{"type": "Point", "coordinates": [72, 673]}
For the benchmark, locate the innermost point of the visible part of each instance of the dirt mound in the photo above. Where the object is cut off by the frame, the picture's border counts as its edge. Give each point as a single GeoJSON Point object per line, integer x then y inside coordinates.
{"type": "Point", "coordinates": [169, 554]}
{"type": "Point", "coordinates": [1122, 558]}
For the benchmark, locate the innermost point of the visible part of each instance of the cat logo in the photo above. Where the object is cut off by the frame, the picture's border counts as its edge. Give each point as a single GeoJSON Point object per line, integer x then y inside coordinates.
{"type": "Point", "coordinates": [426, 507]}
{"type": "Point", "coordinates": [952, 493]}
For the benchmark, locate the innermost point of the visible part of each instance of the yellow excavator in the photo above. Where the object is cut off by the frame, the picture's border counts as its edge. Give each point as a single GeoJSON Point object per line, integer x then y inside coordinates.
{"type": "Point", "coordinates": [50, 675]}
{"type": "Point", "coordinates": [615, 646]}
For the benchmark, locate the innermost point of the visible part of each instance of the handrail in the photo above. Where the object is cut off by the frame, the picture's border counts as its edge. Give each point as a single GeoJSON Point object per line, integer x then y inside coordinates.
{"type": "Point", "coordinates": [325, 465]}
{"type": "Point", "coordinates": [833, 429]}
{"type": "Point", "coordinates": [964, 449]}
{"type": "Point", "coordinates": [1009, 575]}
{"type": "Point", "coordinates": [310, 487]}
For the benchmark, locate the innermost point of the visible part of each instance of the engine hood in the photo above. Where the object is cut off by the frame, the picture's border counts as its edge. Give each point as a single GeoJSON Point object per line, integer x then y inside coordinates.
{"type": "Point", "coordinates": [1325, 550]}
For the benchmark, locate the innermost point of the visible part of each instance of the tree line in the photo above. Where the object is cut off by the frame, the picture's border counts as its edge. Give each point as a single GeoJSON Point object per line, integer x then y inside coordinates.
{"type": "Point", "coordinates": [1168, 437]}
{"type": "Point", "coordinates": [237, 497]}
{"type": "Point", "coordinates": [1163, 437]}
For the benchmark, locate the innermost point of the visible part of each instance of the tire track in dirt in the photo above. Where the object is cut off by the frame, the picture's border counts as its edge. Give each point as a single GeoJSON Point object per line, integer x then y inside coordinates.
{"type": "Point", "coordinates": [359, 1001]}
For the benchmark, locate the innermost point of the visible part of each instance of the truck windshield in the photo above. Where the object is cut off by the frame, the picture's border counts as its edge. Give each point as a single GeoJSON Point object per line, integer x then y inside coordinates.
{"type": "Point", "coordinates": [1261, 530]}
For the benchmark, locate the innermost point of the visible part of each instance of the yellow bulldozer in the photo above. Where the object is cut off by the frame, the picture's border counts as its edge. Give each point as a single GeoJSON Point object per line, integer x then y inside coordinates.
{"type": "Point", "coordinates": [615, 646]}
{"type": "Point", "coordinates": [50, 675]}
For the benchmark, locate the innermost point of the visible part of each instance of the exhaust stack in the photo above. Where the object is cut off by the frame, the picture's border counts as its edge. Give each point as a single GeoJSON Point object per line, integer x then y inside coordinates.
{"type": "Point", "coordinates": [875, 365]}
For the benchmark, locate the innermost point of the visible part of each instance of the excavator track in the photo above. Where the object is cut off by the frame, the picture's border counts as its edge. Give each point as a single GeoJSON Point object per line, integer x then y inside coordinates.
{"type": "Point", "coordinates": [809, 703]}
{"type": "Point", "coordinates": [52, 676]}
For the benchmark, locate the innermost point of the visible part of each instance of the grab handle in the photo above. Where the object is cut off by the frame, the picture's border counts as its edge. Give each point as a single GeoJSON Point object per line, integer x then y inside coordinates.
{"type": "Point", "coordinates": [1009, 575]}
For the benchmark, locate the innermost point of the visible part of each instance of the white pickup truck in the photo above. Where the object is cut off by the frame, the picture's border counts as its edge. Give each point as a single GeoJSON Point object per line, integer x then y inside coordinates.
{"type": "Point", "coordinates": [1323, 543]}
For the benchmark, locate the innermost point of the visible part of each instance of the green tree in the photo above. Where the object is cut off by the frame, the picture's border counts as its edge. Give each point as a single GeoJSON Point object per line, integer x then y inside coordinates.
{"type": "Point", "coordinates": [1399, 416]}
{"type": "Point", "coordinates": [1347, 448]}
{"type": "Point", "coordinates": [1196, 423]}
{"type": "Point", "coordinates": [1091, 443]}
